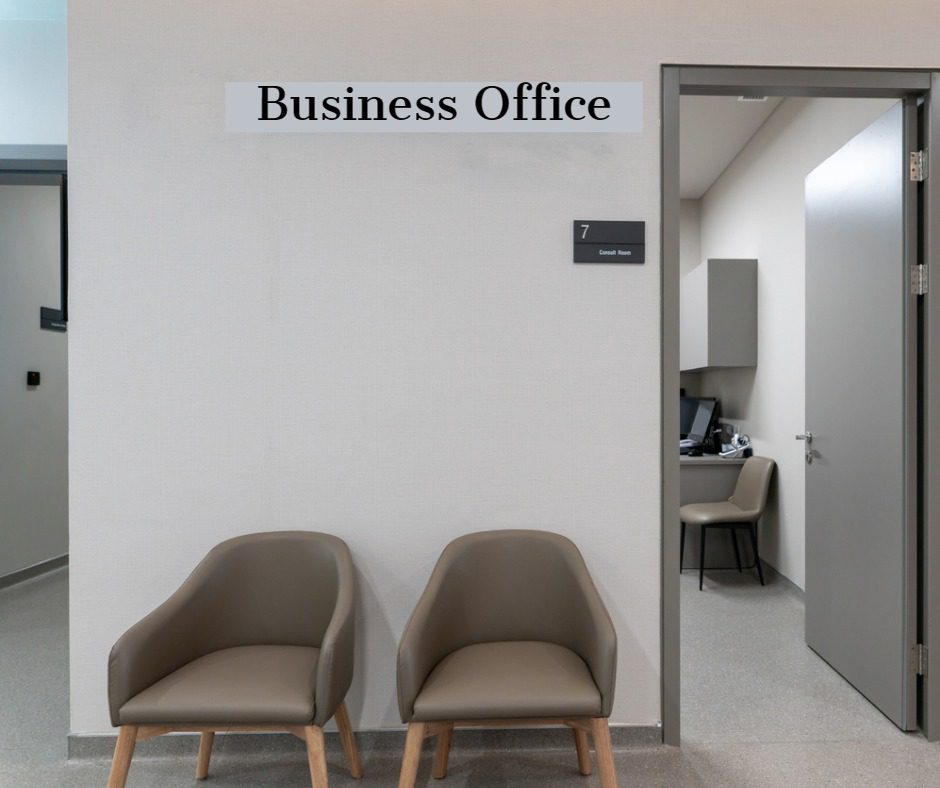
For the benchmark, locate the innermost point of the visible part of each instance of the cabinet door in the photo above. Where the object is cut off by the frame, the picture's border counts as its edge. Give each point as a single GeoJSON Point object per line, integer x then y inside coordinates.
{"type": "Point", "coordinates": [693, 319]}
{"type": "Point", "coordinates": [718, 315]}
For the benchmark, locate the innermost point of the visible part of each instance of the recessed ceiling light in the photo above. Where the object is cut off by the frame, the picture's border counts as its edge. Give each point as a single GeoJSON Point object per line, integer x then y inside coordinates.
{"type": "Point", "coordinates": [752, 98]}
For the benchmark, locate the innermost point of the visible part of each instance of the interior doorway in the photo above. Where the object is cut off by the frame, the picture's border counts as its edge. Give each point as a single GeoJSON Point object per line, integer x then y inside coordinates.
{"type": "Point", "coordinates": [793, 86]}
{"type": "Point", "coordinates": [33, 370]}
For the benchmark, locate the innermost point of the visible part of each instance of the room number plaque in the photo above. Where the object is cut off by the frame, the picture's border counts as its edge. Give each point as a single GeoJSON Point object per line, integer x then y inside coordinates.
{"type": "Point", "coordinates": [609, 242]}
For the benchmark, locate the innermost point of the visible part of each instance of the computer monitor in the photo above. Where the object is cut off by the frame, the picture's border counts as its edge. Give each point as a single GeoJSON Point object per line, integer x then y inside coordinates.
{"type": "Point", "coordinates": [687, 408]}
{"type": "Point", "coordinates": [696, 415]}
{"type": "Point", "coordinates": [701, 424]}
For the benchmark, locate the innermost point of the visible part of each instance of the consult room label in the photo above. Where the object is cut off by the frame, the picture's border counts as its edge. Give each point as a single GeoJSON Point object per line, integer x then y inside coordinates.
{"type": "Point", "coordinates": [609, 242]}
{"type": "Point", "coordinates": [468, 107]}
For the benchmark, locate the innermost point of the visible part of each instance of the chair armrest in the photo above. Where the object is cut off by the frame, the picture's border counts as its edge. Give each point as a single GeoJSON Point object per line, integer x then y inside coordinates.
{"type": "Point", "coordinates": [428, 638]}
{"type": "Point", "coordinates": [337, 651]}
{"type": "Point", "coordinates": [596, 638]}
{"type": "Point", "coordinates": [176, 632]}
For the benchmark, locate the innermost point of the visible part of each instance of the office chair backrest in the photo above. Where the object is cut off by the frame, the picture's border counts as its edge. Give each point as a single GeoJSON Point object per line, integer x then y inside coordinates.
{"type": "Point", "coordinates": [750, 493]}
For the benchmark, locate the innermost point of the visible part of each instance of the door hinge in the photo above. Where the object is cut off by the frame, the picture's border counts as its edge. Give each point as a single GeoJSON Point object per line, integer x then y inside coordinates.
{"type": "Point", "coordinates": [919, 280]}
{"type": "Point", "coordinates": [919, 165]}
{"type": "Point", "coordinates": [919, 660]}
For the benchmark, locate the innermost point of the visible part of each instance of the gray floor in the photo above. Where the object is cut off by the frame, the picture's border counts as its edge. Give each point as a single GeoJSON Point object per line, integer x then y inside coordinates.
{"type": "Point", "coordinates": [760, 710]}
{"type": "Point", "coordinates": [758, 701]}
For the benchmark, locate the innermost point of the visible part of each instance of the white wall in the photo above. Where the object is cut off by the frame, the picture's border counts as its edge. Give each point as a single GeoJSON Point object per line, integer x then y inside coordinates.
{"type": "Point", "coordinates": [33, 72]}
{"type": "Point", "coordinates": [690, 235]}
{"type": "Point", "coordinates": [379, 335]}
{"type": "Point", "coordinates": [756, 209]}
{"type": "Point", "coordinates": [690, 248]}
{"type": "Point", "coordinates": [33, 421]}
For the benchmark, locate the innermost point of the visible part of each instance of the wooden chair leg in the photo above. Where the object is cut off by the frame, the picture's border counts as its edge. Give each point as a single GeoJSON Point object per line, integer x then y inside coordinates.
{"type": "Point", "coordinates": [444, 739]}
{"type": "Point", "coordinates": [123, 753]}
{"type": "Point", "coordinates": [205, 753]}
{"type": "Point", "coordinates": [316, 756]}
{"type": "Point", "coordinates": [412, 756]}
{"type": "Point", "coordinates": [584, 751]}
{"type": "Point", "coordinates": [605, 753]}
{"type": "Point", "coordinates": [349, 741]}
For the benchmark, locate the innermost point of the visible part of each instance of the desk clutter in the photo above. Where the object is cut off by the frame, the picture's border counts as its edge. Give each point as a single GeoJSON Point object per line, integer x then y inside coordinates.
{"type": "Point", "coordinates": [701, 432]}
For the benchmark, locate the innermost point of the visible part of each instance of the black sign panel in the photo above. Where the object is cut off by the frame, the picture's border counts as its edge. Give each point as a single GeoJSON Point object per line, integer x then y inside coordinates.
{"type": "Point", "coordinates": [609, 253]}
{"type": "Point", "coordinates": [609, 242]}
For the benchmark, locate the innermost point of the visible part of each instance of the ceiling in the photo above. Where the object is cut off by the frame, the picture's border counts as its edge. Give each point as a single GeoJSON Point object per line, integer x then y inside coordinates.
{"type": "Point", "coordinates": [713, 130]}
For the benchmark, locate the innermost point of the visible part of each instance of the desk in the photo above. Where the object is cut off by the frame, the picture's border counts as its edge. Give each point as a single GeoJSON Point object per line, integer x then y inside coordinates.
{"type": "Point", "coordinates": [701, 480]}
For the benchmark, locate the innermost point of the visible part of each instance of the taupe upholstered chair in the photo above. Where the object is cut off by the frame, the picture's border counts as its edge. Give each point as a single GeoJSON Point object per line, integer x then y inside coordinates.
{"type": "Point", "coordinates": [510, 630]}
{"type": "Point", "coordinates": [742, 510]}
{"type": "Point", "coordinates": [259, 637]}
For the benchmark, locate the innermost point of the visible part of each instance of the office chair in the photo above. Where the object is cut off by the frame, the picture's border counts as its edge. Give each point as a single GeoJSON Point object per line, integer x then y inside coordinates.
{"type": "Point", "coordinates": [742, 510]}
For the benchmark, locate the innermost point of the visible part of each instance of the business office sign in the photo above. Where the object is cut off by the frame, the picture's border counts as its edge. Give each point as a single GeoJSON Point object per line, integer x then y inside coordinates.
{"type": "Point", "coordinates": [469, 107]}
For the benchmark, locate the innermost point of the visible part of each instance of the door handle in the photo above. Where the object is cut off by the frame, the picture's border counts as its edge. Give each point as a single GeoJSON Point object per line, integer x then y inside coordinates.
{"type": "Point", "coordinates": [808, 437]}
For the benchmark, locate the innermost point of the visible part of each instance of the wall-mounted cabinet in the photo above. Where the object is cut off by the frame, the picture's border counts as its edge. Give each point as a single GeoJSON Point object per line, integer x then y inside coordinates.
{"type": "Point", "coordinates": [718, 315]}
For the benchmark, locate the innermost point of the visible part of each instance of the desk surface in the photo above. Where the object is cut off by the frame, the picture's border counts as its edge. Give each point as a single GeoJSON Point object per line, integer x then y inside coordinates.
{"type": "Point", "coordinates": [709, 459]}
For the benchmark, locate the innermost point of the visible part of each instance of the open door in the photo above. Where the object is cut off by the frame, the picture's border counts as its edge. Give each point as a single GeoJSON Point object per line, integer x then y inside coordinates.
{"type": "Point", "coordinates": [861, 441]}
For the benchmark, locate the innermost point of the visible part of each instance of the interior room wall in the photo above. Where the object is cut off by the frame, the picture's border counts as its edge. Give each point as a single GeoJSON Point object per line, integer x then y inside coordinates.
{"type": "Point", "coordinates": [690, 235]}
{"type": "Point", "coordinates": [33, 73]}
{"type": "Point", "coordinates": [756, 209]}
{"type": "Point", "coordinates": [382, 336]}
{"type": "Point", "coordinates": [690, 247]}
{"type": "Point", "coordinates": [33, 421]}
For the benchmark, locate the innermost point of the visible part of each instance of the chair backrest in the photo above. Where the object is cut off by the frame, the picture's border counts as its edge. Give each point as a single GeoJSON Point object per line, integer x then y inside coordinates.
{"type": "Point", "coordinates": [277, 588]}
{"type": "Point", "coordinates": [510, 585]}
{"type": "Point", "coordinates": [507, 586]}
{"type": "Point", "coordinates": [750, 492]}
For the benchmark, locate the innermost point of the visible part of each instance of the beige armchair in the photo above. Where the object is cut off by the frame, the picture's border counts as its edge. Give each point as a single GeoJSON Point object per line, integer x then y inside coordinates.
{"type": "Point", "coordinates": [259, 637]}
{"type": "Point", "coordinates": [509, 631]}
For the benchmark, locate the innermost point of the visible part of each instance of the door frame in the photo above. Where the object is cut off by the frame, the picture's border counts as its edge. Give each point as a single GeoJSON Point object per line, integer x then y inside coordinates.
{"type": "Point", "coordinates": [678, 80]}
{"type": "Point", "coordinates": [49, 172]}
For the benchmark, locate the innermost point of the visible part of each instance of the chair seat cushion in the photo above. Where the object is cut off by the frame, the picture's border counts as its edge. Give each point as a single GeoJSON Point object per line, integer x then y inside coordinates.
{"type": "Point", "coordinates": [247, 684]}
{"type": "Point", "coordinates": [506, 680]}
{"type": "Point", "coordinates": [718, 512]}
